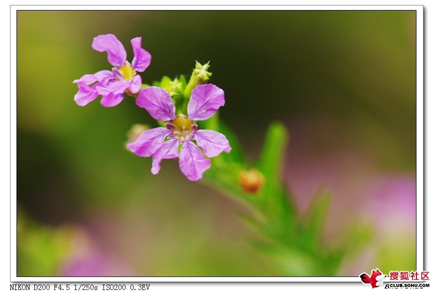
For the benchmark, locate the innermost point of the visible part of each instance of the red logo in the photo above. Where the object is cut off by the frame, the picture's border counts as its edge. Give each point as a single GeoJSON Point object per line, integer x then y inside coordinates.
{"type": "Point", "coordinates": [424, 276]}
{"type": "Point", "coordinates": [375, 280]}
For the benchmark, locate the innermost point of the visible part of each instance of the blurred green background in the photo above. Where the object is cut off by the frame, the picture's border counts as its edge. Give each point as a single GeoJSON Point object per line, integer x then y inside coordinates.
{"type": "Point", "coordinates": [343, 82]}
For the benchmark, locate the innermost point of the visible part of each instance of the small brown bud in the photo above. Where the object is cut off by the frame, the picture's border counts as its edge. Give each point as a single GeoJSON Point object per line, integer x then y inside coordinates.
{"type": "Point", "coordinates": [135, 132]}
{"type": "Point", "coordinates": [251, 181]}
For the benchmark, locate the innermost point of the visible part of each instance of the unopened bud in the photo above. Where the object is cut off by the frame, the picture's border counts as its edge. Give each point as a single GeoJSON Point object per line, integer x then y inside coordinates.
{"type": "Point", "coordinates": [201, 71]}
{"type": "Point", "coordinates": [135, 132]}
{"type": "Point", "coordinates": [200, 75]}
{"type": "Point", "coordinates": [251, 181]}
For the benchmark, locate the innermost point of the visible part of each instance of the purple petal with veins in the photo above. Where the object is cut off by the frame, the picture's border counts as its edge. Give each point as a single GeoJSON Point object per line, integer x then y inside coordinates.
{"type": "Point", "coordinates": [115, 51]}
{"type": "Point", "coordinates": [148, 142]}
{"type": "Point", "coordinates": [205, 100]}
{"type": "Point", "coordinates": [212, 142]}
{"type": "Point", "coordinates": [115, 87]}
{"type": "Point", "coordinates": [168, 149]}
{"type": "Point", "coordinates": [112, 99]}
{"type": "Point", "coordinates": [135, 84]}
{"type": "Point", "coordinates": [104, 76]}
{"type": "Point", "coordinates": [85, 94]}
{"type": "Point", "coordinates": [86, 79]}
{"type": "Point", "coordinates": [157, 102]}
{"type": "Point", "coordinates": [142, 58]}
{"type": "Point", "coordinates": [192, 162]}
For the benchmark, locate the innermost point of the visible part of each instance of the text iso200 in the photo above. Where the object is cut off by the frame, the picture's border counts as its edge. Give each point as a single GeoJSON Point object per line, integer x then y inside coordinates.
{"type": "Point", "coordinates": [113, 287]}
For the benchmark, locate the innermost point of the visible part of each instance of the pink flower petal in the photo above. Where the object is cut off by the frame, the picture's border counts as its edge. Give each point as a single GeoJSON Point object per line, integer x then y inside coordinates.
{"type": "Point", "coordinates": [157, 102]}
{"type": "Point", "coordinates": [169, 149]}
{"type": "Point", "coordinates": [149, 141]}
{"type": "Point", "coordinates": [114, 48]}
{"type": "Point", "coordinates": [85, 94]}
{"type": "Point", "coordinates": [205, 101]}
{"type": "Point", "coordinates": [86, 79]}
{"type": "Point", "coordinates": [104, 76]}
{"type": "Point", "coordinates": [117, 87]}
{"type": "Point", "coordinates": [212, 142]}
{"type": "Point", "coordinates": [111, 99]}
{"type": "Point", "coordinates": [142, 58]}
{"type": "Point", "coordinates": [135, 85]}
{"type": "Point", "coordinates": [192, 161]}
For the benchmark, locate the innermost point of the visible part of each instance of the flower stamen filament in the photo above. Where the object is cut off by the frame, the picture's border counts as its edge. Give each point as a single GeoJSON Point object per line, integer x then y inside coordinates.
{"type": "Point", "coordinates": [182, 128]}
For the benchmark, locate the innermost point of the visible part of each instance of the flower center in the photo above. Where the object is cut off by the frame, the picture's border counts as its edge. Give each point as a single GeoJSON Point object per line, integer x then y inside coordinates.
{"type": "Point", "coordinates": [126, 72]}
{"type": "Point", "coordinates": [182, 128]}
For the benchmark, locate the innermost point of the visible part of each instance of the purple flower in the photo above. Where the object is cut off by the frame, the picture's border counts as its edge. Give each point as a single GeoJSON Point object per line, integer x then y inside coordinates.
{"type": "Point", "coordinates": [181, 130]}
{"type": "Point", "coordinates": [113, 84]}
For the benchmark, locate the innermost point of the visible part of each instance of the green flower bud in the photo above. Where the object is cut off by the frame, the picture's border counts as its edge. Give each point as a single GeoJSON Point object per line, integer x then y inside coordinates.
{"type": "Point", "coordinates": [201, 71]}
{"type": "Point", "coordinates": [200, 75]}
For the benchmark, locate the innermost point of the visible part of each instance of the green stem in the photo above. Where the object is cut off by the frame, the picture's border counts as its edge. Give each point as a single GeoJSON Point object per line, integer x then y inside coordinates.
{"type": "Point", "coordinates": [294, 243]}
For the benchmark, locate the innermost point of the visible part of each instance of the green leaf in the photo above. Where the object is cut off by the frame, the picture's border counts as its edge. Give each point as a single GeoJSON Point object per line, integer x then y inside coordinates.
{"type": "Point", "coordinates": [271, 158]}
{"type": "Point", "coordinates": [251, 222]}
{"type": "Point", "coordinates": [173, 87]}
{"type": "Point", "coordinates": [291, 260]}
{"type": "Point", "coordinates": [165, 82]}
{"type": "Point", "coordinates": [160, 83]}
{"type": "Point", "coordinates": [333, 260]}
{"type": "Point", "coordinates": [315, 217]}
{"type": "Point", "coordinates": [273, 199]}
{"type": "Point", "coordinates": [182, 80]}
{"type": "Point", "coordinates": [273, 149]}
{"type": "Point", "coordinates": [357, 236]}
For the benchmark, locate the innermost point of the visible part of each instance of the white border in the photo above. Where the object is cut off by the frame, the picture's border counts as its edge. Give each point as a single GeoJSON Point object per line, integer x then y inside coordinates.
{"type": "Point", "coordinates": [15, 8]}
{"type": "Point", "coordinates": [13, 149]}
{"type": "Point", "coordinates": [419, 147]}
{"type": "Point", "coordinates": [420, 265]}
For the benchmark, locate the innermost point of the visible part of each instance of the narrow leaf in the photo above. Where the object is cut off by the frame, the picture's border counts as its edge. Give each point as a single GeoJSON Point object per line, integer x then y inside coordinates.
{"type": "Point", "coordinates": [315, 217]}
{"type": "Point", "coordinates": [273, 199]}
{"type": "Point", "coordinates": [271, 158]}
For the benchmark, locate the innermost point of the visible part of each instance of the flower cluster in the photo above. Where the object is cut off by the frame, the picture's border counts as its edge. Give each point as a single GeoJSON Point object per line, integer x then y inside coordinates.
{"type": "Point", "coordinates": [180, 137]}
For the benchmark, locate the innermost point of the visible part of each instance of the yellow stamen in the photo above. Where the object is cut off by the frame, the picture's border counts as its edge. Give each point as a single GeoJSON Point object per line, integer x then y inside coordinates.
{"type": "Point", "coordinates": [182, 128]}
{"type": "Point", "coordinates": [127, 72]}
